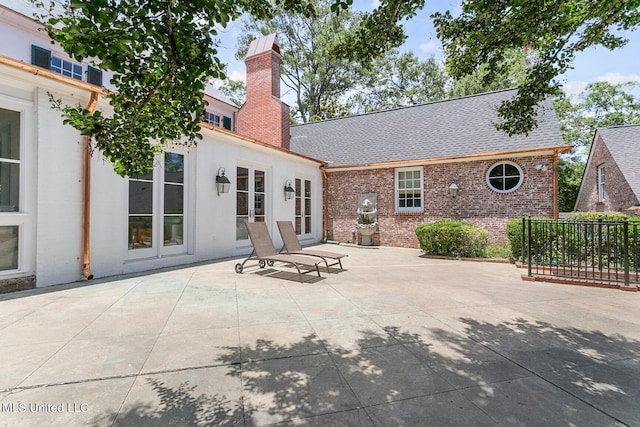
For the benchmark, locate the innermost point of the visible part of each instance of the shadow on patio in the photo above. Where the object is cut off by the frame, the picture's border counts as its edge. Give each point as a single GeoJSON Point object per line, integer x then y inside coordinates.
{"type": "Point", "coordinates": [518, 372]}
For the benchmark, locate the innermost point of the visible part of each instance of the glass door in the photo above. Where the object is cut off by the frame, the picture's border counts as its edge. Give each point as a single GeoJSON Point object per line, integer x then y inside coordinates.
{"type": "Point", "coordinates": [303, 206]}
{"type": "Point", "coordinates": [156, 213]}
{"type": "Point", "coordinates": [251, 199]}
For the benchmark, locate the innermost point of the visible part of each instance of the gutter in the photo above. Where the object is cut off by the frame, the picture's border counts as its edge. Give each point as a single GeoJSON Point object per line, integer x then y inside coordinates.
{"type": "Point", "coordinates": [86, 195]}
{"type": "Point", "coordinates": [325, 209]}
{"type": "Point", "coordinates": [555, 186]}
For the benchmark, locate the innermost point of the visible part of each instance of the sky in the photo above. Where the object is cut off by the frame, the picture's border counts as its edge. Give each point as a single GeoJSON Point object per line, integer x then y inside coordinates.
{"type": "Point", "coordinates": [594, 64]}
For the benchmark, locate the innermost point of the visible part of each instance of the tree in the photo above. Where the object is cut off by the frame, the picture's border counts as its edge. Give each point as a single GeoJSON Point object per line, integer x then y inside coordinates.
{"type": "Point", "coordinates": [399, 80]}
{"type": "Point", "coordinates": [601, 104]}
{"type": "Point", "coordinates": [235, 90]}
{"type": "Point", "coordinates": [513, 75]}
{"type": "Point", "coordinates": [569, 180]}
{"type": "Point", "coordinates": [330, 108]}
{"type": "Point", "coordinates": [309, 69]}
{"type": "Point", "coordinates": [162, 54]}
{"type": "Point", "coordinates": [485, 31]}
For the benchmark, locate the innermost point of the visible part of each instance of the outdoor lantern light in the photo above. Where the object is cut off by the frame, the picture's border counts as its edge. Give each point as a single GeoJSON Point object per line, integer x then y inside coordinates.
{"type": "Point", "coordinates": [222, 182]}
{"type": "Point", "coordinates": [453, 189]}
{"type": "Point", "coordinates": [541, 167]}
{"type": "Point", "coordinates": [289, 192]}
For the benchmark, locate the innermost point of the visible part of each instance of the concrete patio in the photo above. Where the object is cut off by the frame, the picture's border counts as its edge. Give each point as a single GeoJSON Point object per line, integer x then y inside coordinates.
{"type": "Point", "coordinates": [394, 339]}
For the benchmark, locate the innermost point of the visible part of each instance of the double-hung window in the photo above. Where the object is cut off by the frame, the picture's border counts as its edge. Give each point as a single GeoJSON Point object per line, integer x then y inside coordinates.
{"type": "Point", "coordinates": [45, 59]}
{"type": "Point", "coordinates": [409, 190]}
{"type": "Point", "coordinates": [212, 119]}
{"type": "Point", "coordinates": [601, 183]}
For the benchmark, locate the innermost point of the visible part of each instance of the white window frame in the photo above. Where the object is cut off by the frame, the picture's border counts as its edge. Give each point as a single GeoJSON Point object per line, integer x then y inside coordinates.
{"type": "Point", "coordinates": [500, 163]}
{"type": "Point", "coordinates": [67, 68]}
{"type": "Point", "coordinates": [601, 176]}
{"type": "Point", "coordinates": [24, 218]}
{"type": "Point", "coordinates": [212, 118]}
{"type": "Point", "coordinates": [158, 249]}
{"type": "Point", "coordinates": [398, 190]}
{"type": "Point", "coordinates": [302, 214]}
{"type": "Point", "coordinates": [252, 198]}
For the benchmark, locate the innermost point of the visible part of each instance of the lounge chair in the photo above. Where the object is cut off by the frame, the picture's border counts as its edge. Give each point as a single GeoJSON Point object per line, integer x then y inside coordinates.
{"type": "Point", "coordinates": [292, 245]}
{"type": "Point", "coordinates": [265, 253]}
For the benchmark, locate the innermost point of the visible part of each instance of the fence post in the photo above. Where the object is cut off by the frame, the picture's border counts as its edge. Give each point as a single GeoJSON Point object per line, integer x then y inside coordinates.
{"type": "Point", "coordinates": [522, 243]}
{"type": "Point", "coordinates": [600, 246]}
{"type": "Point", "coordinates": [529, 247]}
{"type": "Point", "coordinates": [625, 227]}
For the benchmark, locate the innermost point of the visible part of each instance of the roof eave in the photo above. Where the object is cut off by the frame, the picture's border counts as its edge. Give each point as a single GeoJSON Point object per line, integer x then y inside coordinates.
{"type": "Point", "coordinates": [398, 163]}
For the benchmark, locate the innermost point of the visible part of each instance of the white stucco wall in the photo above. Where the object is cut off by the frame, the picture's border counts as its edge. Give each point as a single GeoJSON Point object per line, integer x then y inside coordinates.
{"type": "Point", "coordinates": [52, 191]}
{"type": "Point", "coordinates": [50, 217]}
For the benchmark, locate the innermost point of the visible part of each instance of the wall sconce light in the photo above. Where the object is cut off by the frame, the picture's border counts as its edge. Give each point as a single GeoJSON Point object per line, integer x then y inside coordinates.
{"type": "Point", "coordinates": [289, 192]}
{"type": "Point", "coordinates": [453, 189]}
{"type": "Point", "coordinates": [222, 182]}
{"type": "Point", "coordinates": [541, 167]}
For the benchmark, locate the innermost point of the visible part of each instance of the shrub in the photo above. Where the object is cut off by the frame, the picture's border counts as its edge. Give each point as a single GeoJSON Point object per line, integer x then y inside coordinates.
{"type": "Point", "coordinates": [579, 239]}
{"type": "Point", "coordinates": [594, 216]}
{"type": "Point", "coordinates": [452, 238]}
{"type": "Point", "coordinates": [514, 233]}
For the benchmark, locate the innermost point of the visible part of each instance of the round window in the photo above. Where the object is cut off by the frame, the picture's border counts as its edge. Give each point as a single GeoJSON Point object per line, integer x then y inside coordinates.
{"type": "Point", "coordinates": [504, 177]}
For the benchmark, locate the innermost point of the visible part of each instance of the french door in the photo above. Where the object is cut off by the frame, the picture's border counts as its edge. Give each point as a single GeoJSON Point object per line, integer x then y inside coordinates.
{"type": "Point", "coordinates": [156, 217]}
{"type": "Point", "coordinates": [303, 206]}
{"type": "Point", "coordinates": [251, 198]}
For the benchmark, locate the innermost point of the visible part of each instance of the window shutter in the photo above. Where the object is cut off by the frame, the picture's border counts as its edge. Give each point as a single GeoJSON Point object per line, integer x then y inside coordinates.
{"type": "Point", "coordinates": [40, 57]}
{"type": "Point", "coordinates": [226, 122]}
{"type": "Point", "coordinates": [94, 76]}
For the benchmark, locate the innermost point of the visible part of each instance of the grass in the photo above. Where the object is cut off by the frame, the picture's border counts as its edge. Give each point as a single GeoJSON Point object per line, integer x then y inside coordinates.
{"type": "Point", "coordinates": [498, 251]}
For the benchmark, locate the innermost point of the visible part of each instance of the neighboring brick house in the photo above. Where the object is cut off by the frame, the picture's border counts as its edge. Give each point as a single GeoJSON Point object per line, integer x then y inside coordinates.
{"type": "Point", "coordinates": [411, 156]}
{"type": "Point", "coordinates": [611, 180]}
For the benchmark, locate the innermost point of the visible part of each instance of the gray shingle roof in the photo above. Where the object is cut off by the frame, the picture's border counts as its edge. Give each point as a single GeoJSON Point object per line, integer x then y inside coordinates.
{"type": "Point", "coordinates": [451, 128]}
{"type": "Point", "coordinates": [623, 143]}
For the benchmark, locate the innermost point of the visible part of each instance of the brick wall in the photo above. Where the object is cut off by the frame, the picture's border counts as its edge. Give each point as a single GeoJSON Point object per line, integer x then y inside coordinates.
{"type": "Point", "coordinates": [617, 193]}
{"type": "Point", "coordinates": [264, 116]}
{"type": "Point", "coordinates": [17, 284]}
{"type": "Point", "coordinates": [475, 203]}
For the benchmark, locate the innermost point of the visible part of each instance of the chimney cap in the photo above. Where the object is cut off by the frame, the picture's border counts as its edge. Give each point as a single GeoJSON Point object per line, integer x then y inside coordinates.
{"type": "Point", "coordinates": [263, 44]}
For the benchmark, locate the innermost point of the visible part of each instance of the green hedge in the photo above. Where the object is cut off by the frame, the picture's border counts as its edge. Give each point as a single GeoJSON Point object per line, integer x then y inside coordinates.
{"type": "Point", "coordinates": [594, 216]}
{"type": "Point", "coordinates": [514, 233]}
{"type": "Point", "coordinates": [453, 238]}
{"type": "Point", "coordinates": [554, 241]}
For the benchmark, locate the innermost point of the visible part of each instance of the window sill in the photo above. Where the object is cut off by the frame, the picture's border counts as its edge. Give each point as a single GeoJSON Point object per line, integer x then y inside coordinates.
{"type": "Point", "coordinates": [416, 213]}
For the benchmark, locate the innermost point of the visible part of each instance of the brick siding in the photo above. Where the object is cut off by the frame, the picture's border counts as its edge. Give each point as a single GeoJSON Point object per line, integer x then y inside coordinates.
{"type": "Point", "coordinates": [475, 203]}
{"type": "Point", "coordinates": [617, 193]}
{"type": "Point", "coordinates": [17, 284]}
{"type": "Point", "coordinates": [264, 116]}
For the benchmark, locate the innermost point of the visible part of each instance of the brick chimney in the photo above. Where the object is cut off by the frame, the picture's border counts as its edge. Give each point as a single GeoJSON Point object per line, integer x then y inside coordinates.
{"type": "Point", "coordinates": [264, 116]}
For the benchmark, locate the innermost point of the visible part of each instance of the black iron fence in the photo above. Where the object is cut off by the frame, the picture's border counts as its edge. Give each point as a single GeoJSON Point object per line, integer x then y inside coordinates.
{"type": "Point", "coordinates": [599, 250]}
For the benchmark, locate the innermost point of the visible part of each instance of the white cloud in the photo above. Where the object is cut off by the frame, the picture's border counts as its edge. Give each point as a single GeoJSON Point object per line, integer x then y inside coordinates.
{"type": "Point", "coordinates": [375, 4]}
{"type": "Point", "coordinates": [617, 78]}
{"type": "Point", "coordinates": [238, 75]}
{"type": "Point", "coordinates": [574, 88]}
{"type": "Point", "coordinates": [430, 47]}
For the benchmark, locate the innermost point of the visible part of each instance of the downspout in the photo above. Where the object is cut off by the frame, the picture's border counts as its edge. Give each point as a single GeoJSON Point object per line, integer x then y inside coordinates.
{"type": "Point", "coordinates": [86, 195]}
{"type": "Point", "coordinates": [323, 167]}
{"type": "Point", "coordinates": [555, 185]}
